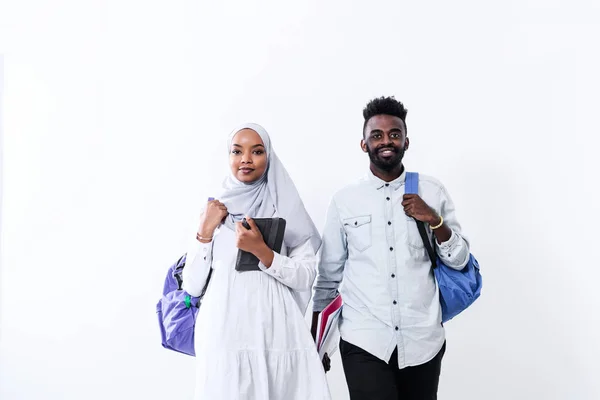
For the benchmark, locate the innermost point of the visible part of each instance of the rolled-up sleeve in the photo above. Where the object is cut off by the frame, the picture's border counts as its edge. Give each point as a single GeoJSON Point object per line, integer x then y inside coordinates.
{"type": "Point", "coordinates": [455, 251]}
{"type": "Point", "coordinates": [332, 259]}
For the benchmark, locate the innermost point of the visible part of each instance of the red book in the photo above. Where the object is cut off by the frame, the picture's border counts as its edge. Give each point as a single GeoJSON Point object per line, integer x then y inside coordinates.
{"type": "Point", "coordinates": [327, 317]}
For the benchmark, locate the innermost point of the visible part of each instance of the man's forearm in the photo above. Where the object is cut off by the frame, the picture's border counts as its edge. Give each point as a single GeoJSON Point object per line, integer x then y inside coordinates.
{"type": "Point", "coordinates": [442, 233]}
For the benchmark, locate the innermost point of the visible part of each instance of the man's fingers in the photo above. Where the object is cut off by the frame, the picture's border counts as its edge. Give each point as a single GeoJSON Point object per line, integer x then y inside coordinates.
{"type": "Point", "coordinates": [409, 200]}
{"type": "Point", "coordinates": [326, 362]}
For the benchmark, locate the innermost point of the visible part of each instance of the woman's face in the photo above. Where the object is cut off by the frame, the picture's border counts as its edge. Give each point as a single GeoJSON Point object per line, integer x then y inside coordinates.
{"type": "Point", "coordinates": [247, 156]}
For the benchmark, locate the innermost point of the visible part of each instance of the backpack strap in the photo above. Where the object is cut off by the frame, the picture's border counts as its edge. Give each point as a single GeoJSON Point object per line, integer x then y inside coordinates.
{"type": "Point", "coordinates": [428, 245]}
{"type": "Point", "coordinates": [412, 187]}
{"type": "Point", "coordinates": [177, 271]}
{"type": "Point", "coordinates": [411, 184]}
{"type": "Point", "coordinates": [207, 282]}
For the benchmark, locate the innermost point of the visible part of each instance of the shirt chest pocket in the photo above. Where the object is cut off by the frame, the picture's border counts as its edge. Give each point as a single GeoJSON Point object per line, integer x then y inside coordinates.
{"type": "Point", "coordinates": [358, 231]}
{"type": "Point", "coordinates": [413, 238]}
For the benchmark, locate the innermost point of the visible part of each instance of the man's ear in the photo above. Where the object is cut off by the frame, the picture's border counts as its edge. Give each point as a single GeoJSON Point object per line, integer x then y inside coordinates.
{"type": "Point", "coordinates": [363, 145]}
{"type": "Point", "coordinates": [406, 143]}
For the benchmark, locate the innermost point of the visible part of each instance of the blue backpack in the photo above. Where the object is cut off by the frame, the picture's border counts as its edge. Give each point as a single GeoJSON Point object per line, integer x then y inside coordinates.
{"type": "Point", "coordinates": [177, 311]}
{"type": "Point", "coordinates": [458, 289]}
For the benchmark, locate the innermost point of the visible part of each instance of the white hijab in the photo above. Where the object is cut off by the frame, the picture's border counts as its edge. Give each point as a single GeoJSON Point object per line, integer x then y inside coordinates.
{"type": "Point", "coordinates": [273, 194]}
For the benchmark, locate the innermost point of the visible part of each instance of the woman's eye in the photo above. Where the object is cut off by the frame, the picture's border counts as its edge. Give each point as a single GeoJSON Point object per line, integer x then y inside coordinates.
{"type": "Point", "coordinates": [258, 152]}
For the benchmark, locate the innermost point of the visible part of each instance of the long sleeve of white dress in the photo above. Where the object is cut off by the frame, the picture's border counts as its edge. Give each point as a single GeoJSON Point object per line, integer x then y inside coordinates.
{"type": "Point", "coordinates": [197, 266]}
{"type": "Point", "coordinates": [297, 270]}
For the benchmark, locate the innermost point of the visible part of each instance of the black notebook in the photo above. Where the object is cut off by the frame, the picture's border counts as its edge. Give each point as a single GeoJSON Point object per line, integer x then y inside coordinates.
{"type": "Point", "coordinates": [272, 230]}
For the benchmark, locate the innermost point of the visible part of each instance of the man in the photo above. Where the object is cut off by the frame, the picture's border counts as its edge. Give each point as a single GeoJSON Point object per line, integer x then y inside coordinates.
{"type": "Point", "coordinates": [393, 340]}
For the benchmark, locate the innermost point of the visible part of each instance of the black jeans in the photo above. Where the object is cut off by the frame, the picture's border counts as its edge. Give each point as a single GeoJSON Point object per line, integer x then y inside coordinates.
{"type": "Point", "coordinates": [370, 378]}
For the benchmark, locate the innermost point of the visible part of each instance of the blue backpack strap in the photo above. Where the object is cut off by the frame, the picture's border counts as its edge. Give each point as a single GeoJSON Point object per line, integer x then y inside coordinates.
{"type": "Point", "coordinates": [412, 183]}
{"type": "Point", "coordinates": [412, 187]}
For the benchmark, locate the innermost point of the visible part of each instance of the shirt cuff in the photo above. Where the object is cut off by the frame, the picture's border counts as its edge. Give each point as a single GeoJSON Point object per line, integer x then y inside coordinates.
{"type": "Point", "coordinates": [323, 297]}
{"type": "Point", "coordinates": [275, 269]}
{"type": "Point", "coordinates": [203, 250]}
{"type": "Point", "coordinates": [319, 306]}
{"type": "Point", "coordinates": [449, 245]}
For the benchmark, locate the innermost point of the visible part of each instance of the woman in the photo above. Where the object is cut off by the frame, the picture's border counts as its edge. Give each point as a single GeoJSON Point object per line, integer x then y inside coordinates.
{"type": "Point", "coordinates": [251, 339]}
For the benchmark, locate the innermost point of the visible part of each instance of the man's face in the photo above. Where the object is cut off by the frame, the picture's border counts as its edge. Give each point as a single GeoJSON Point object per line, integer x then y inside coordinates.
{"type": "Point", "coordinates": [385, 141]}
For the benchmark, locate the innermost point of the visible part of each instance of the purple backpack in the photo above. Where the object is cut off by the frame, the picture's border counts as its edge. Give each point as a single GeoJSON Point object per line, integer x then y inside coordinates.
{"type": "Point", "coordinates": [177, 311]}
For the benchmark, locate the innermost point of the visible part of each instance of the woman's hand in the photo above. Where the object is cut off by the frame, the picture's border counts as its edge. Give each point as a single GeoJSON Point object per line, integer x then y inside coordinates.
{"type": "Point", "coordinates": [251, 240]}
{"type": "Point", "coordinates": [211, 218]}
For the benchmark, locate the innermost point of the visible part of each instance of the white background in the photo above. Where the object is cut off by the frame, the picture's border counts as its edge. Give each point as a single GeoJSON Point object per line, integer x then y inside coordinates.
{"type": "Point", "coordinates": [115, 119]}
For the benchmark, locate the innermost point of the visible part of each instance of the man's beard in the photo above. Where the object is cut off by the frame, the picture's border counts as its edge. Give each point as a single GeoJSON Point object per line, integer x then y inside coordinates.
{"type": "Point", "coordinates": [386, 163]}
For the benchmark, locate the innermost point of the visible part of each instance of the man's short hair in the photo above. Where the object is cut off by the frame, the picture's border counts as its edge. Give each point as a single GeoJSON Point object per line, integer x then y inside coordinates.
{"type": "Point", "coordinates": [387, 106]}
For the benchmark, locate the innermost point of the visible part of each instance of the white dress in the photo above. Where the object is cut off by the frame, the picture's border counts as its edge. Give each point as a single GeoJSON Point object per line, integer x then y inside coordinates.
{"type": "Point", "coordinates": [251, 339]}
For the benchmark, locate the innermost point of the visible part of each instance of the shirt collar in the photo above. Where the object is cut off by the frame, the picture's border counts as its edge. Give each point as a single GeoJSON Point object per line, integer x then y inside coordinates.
{"type": "Point", "coordinates": [395, 184]}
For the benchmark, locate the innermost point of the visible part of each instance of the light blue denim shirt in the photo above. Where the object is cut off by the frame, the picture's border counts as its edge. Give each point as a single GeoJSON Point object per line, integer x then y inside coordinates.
{"type": "Point", "coordinates": [373, 254]}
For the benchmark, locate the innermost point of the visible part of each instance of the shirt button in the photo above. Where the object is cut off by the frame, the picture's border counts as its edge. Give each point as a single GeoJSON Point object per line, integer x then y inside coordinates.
{"type": "Point", "coordinates": [393, 275]}
{"type": "Point", "coordinates": [387, 184]}
{"type": "Point", "coordinates": [387, 198]}
{"type": "Point", "coordinates": [389, 222]}
{"type": "Point", "coordinates": [391, 249]}
{"type": "Point", "coordinates": [396, 328]}
{"type": "Point", "coordinates": [395, 302]}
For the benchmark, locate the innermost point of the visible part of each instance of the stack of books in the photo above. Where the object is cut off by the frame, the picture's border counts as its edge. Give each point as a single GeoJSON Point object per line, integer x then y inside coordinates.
{"type": "Point", "coordinates": [328, 333]}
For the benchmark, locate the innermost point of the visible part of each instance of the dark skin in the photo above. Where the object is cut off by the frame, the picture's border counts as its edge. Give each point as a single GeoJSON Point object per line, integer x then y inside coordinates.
{"type": "Point", "coordinates": [248, 162]}
{"type": "Point", "coordinates": [385, 140]}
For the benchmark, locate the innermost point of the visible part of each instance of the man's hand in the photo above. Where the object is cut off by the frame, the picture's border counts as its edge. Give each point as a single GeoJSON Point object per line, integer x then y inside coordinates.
{"type": "Point", "coordinates": [415, 207]}
{"type": "Point", "coordinates": [326, 363]}
{"type": "Point", "coordinates": [313, 330]}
